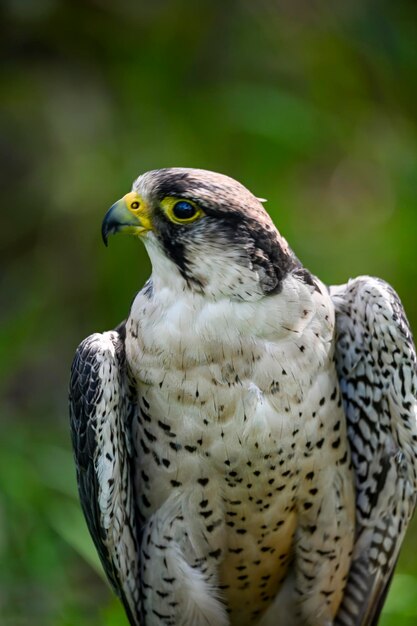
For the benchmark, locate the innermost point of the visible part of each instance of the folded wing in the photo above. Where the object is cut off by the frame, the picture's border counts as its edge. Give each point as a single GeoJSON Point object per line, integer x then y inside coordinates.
{"type": "Point", "coordinates": [101, 412]}
{"type": "Point", "coordinates": [376, 363]}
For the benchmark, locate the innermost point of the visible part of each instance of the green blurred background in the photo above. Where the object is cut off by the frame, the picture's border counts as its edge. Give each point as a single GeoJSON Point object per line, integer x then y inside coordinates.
{"type": "Point", "coordinates": [310, 104]}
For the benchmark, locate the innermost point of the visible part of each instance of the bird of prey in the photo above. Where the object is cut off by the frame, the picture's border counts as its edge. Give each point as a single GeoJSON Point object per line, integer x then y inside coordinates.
{"type": "Point", "coordinates": [246, 440]}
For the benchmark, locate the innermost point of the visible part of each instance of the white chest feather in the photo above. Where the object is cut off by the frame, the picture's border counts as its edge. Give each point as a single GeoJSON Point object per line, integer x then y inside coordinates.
{"type": "Point", "coordinates": [224, 371]}
{"type": "Point", "coordinates": [229, 395]}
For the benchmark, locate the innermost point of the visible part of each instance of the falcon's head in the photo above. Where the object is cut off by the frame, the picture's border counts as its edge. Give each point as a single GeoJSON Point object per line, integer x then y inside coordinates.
{"type": "Point", "coordinates": [207, 230]}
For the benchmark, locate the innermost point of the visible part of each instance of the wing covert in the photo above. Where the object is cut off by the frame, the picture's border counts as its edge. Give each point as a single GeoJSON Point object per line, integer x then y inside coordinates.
{"type": "Point", "coordinates": [376, 364]}
{"type": "Point", "coordinates": [101, 410]}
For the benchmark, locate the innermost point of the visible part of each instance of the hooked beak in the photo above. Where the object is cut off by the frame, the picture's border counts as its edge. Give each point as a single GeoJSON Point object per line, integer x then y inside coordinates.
{"type": "Point", "coordinates": [128, 215]}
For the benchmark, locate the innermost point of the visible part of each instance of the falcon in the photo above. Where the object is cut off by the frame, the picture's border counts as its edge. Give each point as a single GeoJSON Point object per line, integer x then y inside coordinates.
{"type": "Point", "coordinates": [246, 440]}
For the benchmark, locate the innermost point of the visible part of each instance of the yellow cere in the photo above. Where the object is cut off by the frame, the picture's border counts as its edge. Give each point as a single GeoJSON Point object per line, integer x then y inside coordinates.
{"type": "Point", "coordinates": [168, 204]}
{"type": "Point", "coordinates": [138, 207]}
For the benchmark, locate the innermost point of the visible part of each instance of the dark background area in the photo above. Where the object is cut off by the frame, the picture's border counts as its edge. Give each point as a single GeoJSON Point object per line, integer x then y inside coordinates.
{"type": "Point", "coordinates": [312, 105]}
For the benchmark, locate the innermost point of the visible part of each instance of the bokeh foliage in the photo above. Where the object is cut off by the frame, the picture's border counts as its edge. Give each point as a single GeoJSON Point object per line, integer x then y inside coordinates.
{"type": "Point", "coordinates": [310, 104]}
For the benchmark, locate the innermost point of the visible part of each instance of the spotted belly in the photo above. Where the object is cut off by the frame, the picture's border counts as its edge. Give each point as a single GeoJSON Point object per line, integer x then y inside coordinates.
{"type": "Point", "coordinates": [259, 509]}
{"type": "Point", "coordinates": [238, 507]}
{"type": "Point", "coordinates": [234, 485]}
{"type": "Point", "coordinates": [254, 569]}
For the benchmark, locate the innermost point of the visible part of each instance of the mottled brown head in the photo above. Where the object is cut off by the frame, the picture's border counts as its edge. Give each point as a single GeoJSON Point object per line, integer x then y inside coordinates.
{"type": "Point", "coordinates": [210, 226]}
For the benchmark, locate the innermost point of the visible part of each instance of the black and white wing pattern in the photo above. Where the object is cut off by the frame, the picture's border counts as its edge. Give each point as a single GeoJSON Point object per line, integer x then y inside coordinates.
{"type": "Point", "coordinates": [376, 363]}
{"type": "Point", "coordinates": [101, 411]}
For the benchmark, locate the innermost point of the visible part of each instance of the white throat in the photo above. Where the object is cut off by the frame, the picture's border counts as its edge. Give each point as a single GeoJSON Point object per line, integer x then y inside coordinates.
{"type": "Point", "coordinates": [220, 271]}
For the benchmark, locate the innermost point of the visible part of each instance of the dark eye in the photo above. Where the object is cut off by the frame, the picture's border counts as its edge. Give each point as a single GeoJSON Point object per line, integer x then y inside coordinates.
{"type": "Point", "coordinates": [184, 210]}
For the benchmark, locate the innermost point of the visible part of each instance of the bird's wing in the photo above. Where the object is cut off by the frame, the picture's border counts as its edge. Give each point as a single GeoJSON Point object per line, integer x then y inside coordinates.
{"type": "Point", "coordinates": [376, 363]}
{"type": "Point", "coordinates": [101, 411]}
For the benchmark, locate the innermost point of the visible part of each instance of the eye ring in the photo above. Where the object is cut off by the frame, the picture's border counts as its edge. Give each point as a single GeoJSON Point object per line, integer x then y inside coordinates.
{"type": "Point", "coordinates": [181, 210]}
{"type": "Point", "coordinates": [184, 210]}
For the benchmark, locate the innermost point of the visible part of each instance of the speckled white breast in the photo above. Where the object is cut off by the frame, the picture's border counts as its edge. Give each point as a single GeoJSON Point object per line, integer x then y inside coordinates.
{"type": "Point", "coordinates": [235, 399]}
